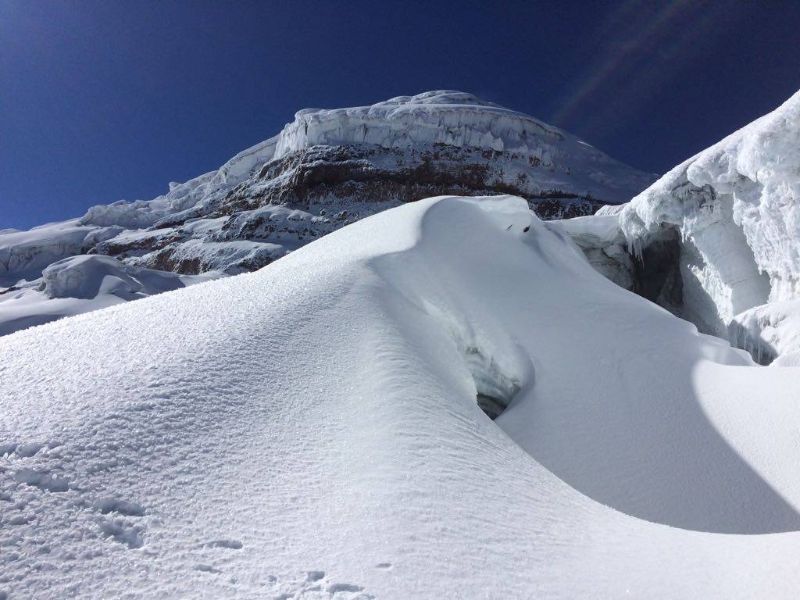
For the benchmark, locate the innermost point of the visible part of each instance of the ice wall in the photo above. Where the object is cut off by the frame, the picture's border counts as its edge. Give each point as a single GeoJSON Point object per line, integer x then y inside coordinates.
{"type": "Point", "coordinates": [749, 181]}
{"type": "Point", "coordinates": [736, 209]}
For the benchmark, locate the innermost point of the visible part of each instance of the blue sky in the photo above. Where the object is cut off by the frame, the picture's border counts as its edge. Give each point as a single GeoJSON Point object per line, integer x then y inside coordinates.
{"type": "Point", "coordinates": [101, 101]}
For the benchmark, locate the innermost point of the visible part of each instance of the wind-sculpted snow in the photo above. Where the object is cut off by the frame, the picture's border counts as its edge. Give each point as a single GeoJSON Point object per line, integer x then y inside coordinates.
{"type": "Point", "coordinates": [325, 170]}
{"type": "Point", "coordinates": [311, 431]}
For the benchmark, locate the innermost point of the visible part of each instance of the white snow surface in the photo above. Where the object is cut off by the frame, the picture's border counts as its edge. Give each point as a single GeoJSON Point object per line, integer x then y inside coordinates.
{"type": "Point", "coordinates": [310, 430]}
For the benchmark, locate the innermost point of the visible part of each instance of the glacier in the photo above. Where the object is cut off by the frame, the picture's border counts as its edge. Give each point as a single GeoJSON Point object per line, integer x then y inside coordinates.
{"type": "Point", "coordinates": [326, 169]}
{"type": "Point", "coordinates": [311, 430]}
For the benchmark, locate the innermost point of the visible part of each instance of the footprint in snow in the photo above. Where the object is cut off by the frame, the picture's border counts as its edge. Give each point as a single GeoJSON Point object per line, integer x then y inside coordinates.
{"type": "Point", "coordinates": [317, 586]}
{"type": "Point", "coordinates": [42, 479]}
{"type": "Point", "coordinates": [228, 544]}
{"type": "Point", "coordinates": [123, 507]}
{"type": "Point", "coordinates": [123, 532]}
{"type": "Point", "coordinates": [206, 569]}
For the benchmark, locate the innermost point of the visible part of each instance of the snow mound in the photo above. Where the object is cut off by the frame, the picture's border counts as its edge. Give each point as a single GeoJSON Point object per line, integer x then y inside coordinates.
{"type": "Point", "coordinates": [312, 429]}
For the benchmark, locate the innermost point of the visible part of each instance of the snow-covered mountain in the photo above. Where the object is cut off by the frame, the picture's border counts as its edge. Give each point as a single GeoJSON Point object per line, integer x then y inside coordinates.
{"type": "Point", "coordinates": [324, 170]}
{"type": "Point", "coordinates": [717, 239]}
{"type": "Point", "coordinates": [452, 398]}
{"type": "Point", "coordinates": [312, 430]}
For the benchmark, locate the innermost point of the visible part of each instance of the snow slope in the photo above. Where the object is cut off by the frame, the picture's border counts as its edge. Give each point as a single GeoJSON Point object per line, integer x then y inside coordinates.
{"type": "Point", "coordinates": [311, 431]}
{"type": "Point", "coordinates": [324, 170]}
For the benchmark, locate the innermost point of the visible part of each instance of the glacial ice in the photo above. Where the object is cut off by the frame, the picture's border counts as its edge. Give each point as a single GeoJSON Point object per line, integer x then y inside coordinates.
{"type": "Point", "coordinates": [735, 208]}
{"type": "Point", "coordinates": [80, 283]}
{"type": "Point", "coordinates": [437, 117]}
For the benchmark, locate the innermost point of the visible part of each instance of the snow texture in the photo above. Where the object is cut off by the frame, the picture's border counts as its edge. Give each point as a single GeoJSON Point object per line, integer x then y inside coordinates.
{"type": "Point", "coordinates": [311, 431]}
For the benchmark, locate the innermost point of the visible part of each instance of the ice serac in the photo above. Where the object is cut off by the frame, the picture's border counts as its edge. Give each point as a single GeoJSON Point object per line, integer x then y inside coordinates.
{"type": "Point", "coordinates": [327, 441]}
{"type": "Point", "coordinates": [324, 170]}
{"type": "Point", "coordinates": [719, 235]}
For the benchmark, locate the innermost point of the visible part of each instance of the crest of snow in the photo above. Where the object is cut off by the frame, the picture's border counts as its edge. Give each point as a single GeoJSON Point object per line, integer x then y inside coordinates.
{"type": "Point", "coordinates": [311, 430]}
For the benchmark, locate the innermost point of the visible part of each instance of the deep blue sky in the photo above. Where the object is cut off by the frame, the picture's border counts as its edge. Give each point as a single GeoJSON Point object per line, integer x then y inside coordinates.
{"type": "Point", "coordinates": [101, 101]}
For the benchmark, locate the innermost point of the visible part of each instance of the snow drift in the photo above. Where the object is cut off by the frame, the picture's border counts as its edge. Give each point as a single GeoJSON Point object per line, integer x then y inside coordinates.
{"type": "Point", "coordinates": [311, 430]}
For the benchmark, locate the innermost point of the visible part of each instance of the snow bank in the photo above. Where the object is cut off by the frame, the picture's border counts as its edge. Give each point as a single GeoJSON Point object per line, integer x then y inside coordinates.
{"type": "Point", "coordinates": [311, 430]}
{"type": "Point", "coordinates": [770, 331]}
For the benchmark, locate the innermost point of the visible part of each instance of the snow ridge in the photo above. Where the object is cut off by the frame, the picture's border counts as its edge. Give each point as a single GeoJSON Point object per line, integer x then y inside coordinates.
{"type": "Point", "coordinates": [326, 442]}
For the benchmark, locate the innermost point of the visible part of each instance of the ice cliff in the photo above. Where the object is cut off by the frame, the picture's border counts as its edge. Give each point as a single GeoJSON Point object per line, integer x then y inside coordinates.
{"type": "Point", "coordinates": [717, 236]}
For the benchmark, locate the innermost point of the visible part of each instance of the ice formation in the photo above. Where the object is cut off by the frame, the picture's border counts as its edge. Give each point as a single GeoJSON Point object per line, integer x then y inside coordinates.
{"type": "Point", "coordinates": [724, 226]}
{"type": "Point", "coordinates": [326, 441]}
{"type": "Point", "coordinates": [80, 283]}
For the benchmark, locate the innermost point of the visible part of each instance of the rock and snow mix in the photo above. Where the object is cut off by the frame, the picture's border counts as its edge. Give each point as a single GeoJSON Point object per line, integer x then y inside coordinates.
{"type": "Point", "coordinates": [326, 169]}
{"type": "Point", "coordinates": [326, 441]}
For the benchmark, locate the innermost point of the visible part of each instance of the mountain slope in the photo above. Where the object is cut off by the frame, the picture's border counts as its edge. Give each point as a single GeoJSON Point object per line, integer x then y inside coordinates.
{"type": "Point", "coordinates": [311, 431]}
{"type": "Point", "coordinates": [325, 169]}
